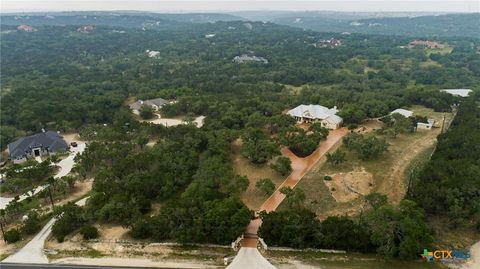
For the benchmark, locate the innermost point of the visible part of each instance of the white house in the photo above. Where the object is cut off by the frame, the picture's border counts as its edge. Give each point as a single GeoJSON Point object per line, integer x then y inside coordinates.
{"type": "Point", "coordinates": [156, 104]}
{"type": "Point", "coordinates": [317, 113]}
{"type": "Point", "coordinates": [403, 112]}
{"type": "Point", "coordinates": [458, 92]}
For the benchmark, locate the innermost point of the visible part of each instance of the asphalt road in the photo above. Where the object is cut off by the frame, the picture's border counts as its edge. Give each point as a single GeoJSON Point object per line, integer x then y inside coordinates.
{"type": "Point", "coordinates": [64, 266]}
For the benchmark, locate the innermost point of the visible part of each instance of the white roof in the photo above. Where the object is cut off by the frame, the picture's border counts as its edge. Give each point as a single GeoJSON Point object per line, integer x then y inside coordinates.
{"type": "Point", "coordinates": [334, 119]}
{"type": "Point", "coordinates": [458, 92]}
{"type": "Point", "coordinates": [403, 112]}
{"type": "Point", "coordinates": [314, 112]}
{"type": "Point", "coordinates": [250, 258]}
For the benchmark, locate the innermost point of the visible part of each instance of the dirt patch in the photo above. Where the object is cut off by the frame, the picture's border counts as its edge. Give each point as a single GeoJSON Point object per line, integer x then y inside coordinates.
{"type": "Point", "coordinates": [346, 187]}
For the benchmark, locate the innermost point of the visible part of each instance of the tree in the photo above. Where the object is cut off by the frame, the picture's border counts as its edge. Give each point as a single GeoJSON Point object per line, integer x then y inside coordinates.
{"type": "Point", "coordinates": [283, 165]}
{"type": "Point", "coordinates": [336, 158]}
{"type": "Point", "coordinates": [294, 197]}
{"type": "Point", "coordinates": [146, 112]}
{"type": "Point", "coordinates": [266, 185]}
{"type": "Point", "coordinates": [50, 188]}
{"type": "Point", "coordinates": [257, 147]}
{"type": "Point", "coordinates": [2, 222]}
{"type": "Point", "coordinates": [12, 236]}
{"type": "Point", "coordinates": [376, 200]}
{"type": "Point", "coordinates": [69, 218]}
{"type": "Point", "coordinates": [32, 224]}
{"type": "Point", "coordinates": [89, 232]}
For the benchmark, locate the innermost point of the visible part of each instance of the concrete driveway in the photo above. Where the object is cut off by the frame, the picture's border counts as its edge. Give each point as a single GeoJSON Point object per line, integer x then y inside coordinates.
{"type": "Point", "coordinates": [32, 252]}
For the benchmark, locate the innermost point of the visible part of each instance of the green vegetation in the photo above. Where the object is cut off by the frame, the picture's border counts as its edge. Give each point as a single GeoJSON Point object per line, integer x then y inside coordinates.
{"type": "Point", "coordinates": [283, 165]}
{"type": "Point", "coordinates": [74, 81]}
{"type": "Point", "coordinates": [266, 185]}
{"type": "Point", "coordinates": [22, 177]}
{"type": "Point", "coordinates": [146, 112]}
{"type": "Point", "coordinates": [12, 236]}
{"type": "Point", "coordinates": [393, 232]}
{"type": "Point", "coordinates": [336, 158]}
{"type": "Point", "coordinates": [448, 184]}
{"type": "Point", "coordinates": [89, 232]}
{"type": "Point", "coordinates": [369, 147]}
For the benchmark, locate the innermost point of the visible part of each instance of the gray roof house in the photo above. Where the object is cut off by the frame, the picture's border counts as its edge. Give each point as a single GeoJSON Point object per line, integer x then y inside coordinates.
{"type": "Point", "coordinates": [316, 113]}
{"type": "Point", "coordinates": [154, 103]}
{"type": "Point", "coordinates": [40, 144]}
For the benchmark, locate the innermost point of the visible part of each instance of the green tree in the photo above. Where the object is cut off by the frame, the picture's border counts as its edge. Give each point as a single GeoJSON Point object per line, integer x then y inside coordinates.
{"type": "Point", "coordinates": [266, 185]}
{"type": "Point", "coordinates": [376, 200]}
{"type": "Point", "coordinates": [336, 158]}
{"type": "Point", "coordinates": [257, 147]}
{"type": "Point", "coordinates": [146, 112]}
{"type": "Point", "coordinates": [32, 224]}
{"type": "Point", "coordinates": [12, 236]}
{"type": "Point", "coordinates": [294, 197]}
{"type": "Point", "coordinates": [283, 165]}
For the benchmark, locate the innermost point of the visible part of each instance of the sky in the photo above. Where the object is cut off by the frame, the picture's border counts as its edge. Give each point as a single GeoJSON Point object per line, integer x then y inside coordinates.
{"type": "Point", "coordinates": [236, 5]}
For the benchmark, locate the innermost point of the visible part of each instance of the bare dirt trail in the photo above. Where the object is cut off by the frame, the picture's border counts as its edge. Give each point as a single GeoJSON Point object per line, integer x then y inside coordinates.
{"type": "Point", "coordinates": [395, 186]}
{"type": "Point", "coordinates": [300, 167]}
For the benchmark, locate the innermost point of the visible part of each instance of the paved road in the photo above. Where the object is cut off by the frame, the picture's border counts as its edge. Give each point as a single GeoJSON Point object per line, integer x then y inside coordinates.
{"type": "Point", "coordinates": [65, 266]}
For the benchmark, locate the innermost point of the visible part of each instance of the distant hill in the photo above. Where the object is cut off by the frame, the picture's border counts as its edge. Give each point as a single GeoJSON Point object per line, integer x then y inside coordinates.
{"type": "Point", "coordinates": [449, 25]}
{"type": "Point", "coordinates": [123, 19]}
{"type": "Point", "coordinates": [391, 23]}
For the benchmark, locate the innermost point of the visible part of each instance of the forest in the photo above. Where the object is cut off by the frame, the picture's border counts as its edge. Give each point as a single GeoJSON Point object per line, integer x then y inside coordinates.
{"type": "Point", "coordinates": [184, 188]}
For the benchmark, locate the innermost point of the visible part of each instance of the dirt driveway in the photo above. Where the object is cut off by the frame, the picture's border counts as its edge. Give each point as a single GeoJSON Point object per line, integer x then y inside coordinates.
{"type": "Point", "coordinates": [300, 167]}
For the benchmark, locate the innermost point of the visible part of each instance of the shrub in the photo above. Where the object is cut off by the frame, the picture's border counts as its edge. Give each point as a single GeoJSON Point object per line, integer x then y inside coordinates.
{"type": "Point", "coordinates": [327, 178]}
{"type": "Point", "coordinates": [89, 232]}
{"type": "Point", "coordinates": [283, 165]}
{"type": "Point", "coordinates": [12, 236]}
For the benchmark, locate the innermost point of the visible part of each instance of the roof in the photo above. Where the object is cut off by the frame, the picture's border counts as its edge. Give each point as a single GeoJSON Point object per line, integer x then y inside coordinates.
{"type": "Point", "coordinates": [314, 112]}
{"type": "Point", "coordinates": [48, 139]}
{"type": "Point", "coordinates": [458, 92]}
{"type": "Point", "coordinates": [334, 119]}
{"type": "Point", "coordinates": [157, 101]}
{"type": "Point", "coordinates": [403, 112]}
{"type": "Point", "coordinates": [250, 258]}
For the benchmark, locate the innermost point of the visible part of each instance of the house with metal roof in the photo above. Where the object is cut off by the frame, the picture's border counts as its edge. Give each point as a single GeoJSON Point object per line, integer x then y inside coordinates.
{"type": "Point", "coordinates": [403, 112]}
{"type": "Point", "coordinates": [156, 104]}
{"type": "Point", "coordinates": [458, 92]}
{"type": "Point", "coordinates": [317, 113]}
{"type": "Point", "coordinates": [41, 144]}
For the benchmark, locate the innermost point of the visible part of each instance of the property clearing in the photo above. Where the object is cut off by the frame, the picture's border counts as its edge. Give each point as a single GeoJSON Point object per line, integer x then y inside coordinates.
{"type": "Point", "coordinates": [354, 178]}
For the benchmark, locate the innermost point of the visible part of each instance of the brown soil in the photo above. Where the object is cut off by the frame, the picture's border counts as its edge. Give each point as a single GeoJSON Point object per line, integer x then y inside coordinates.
{"type": "Point", "coordinates": [346, 187]}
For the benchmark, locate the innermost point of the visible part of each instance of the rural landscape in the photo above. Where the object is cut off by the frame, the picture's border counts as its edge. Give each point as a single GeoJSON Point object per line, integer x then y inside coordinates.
{"type": "Point", "coordinates": [301, 139]}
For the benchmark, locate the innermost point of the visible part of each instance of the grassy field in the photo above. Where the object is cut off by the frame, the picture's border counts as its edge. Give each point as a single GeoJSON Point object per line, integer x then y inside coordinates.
{"type": "Point", "coordinates": [253, 197]}
{"type": "Point", "coordinates": [388, 172]}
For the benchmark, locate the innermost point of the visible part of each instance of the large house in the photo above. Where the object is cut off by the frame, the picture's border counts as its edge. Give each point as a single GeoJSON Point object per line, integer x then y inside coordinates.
{"type": "Point", "coordinates": [156, 104]}
{"type": "Point", "coordinates": [41, 144]}
{"type": "Point", "coordinates": [317, 113]}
